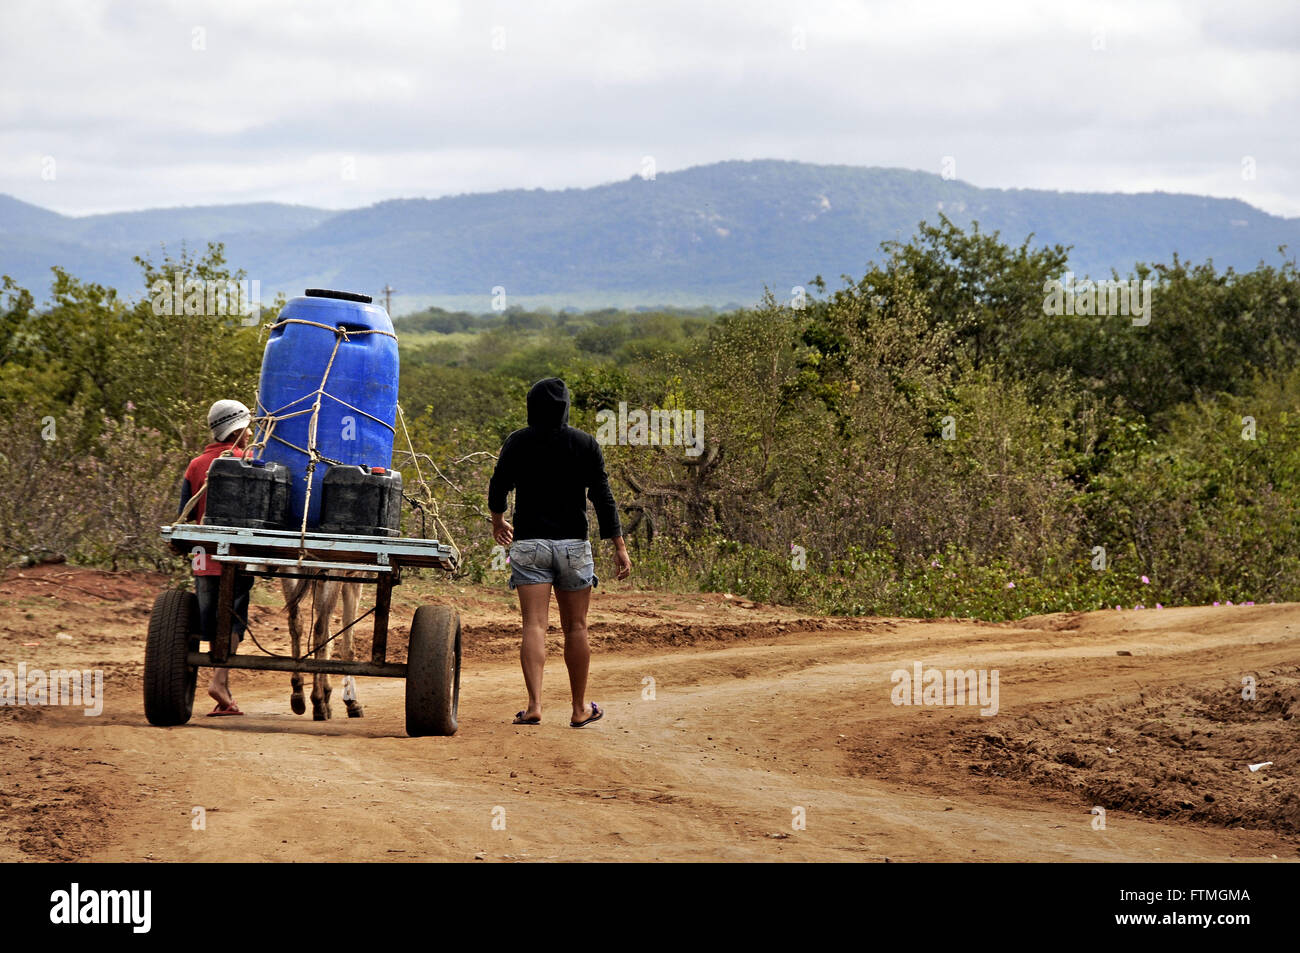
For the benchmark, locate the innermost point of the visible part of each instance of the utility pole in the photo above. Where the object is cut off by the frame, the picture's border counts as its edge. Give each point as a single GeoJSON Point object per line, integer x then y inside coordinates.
{"type": "Point", "coordinates": [388, 298]}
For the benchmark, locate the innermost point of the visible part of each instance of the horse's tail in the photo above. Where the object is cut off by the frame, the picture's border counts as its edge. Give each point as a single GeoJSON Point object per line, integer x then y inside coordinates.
{"type": "Point", "coordinates": [299, 590]}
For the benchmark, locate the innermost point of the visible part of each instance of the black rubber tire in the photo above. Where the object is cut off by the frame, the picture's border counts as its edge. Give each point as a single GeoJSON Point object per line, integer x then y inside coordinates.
{"type": "Point", "coordinates": [169, 680]}
{"type": "Point", "coordinates": [433, 672]}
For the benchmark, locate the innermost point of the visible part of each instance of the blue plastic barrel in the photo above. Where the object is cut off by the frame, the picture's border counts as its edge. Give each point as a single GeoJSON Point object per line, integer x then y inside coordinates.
{"type": "Point", "coordinates": [358, 411]}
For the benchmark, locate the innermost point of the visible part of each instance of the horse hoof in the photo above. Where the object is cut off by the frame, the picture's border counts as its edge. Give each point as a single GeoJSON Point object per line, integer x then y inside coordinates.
{"type": "Point", "coordinates": [297, 704]}
{"type": "Point", "coordinates": [320, 712]}
{"type": "Point", "coordinates": [356, 711]}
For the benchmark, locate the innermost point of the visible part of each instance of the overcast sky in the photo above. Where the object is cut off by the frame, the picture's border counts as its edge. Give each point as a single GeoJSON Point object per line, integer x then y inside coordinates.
{"type": "Point", "coordinates": [121, 105]}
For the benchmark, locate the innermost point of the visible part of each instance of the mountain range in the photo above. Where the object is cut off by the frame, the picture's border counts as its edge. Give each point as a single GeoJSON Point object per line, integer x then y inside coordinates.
{"type": "Point", "coordinates": [713, 234]}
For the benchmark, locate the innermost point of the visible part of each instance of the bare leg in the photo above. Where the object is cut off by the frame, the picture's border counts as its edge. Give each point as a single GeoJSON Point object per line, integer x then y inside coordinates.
{"type": "Point", "coordinates": [535, 604]}
{"type": "Point", "coordinates": [577, 654]}
{"type": "Point", "coordinates": [219, 686]}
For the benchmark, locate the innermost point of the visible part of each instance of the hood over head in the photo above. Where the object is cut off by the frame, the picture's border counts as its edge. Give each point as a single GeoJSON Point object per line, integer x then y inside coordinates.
{"type": "Point", "coordinates": [548, 403]}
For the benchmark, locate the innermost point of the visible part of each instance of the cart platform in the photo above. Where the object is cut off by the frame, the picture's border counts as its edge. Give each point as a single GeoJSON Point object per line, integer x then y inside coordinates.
{"type": "Point", "coordinates": [277, 547]}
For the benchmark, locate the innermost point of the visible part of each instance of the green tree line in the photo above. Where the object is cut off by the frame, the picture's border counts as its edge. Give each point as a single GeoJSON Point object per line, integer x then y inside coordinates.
{"type": "Point", "coordinates": [922, 440]}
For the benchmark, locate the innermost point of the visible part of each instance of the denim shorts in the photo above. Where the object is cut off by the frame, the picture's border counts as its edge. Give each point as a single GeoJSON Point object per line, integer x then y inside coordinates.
{"type": "Point", "coordinates": [565, 563]}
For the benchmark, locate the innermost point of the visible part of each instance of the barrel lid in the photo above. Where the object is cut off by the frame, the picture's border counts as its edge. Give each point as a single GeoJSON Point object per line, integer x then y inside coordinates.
{"type": "Point", "coordinates": [339, 295]}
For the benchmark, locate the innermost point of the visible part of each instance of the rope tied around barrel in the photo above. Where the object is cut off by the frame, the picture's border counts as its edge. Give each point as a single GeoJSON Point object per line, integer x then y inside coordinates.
{"type": "Point", "coordinates": [268, 418]}
{"type": "Point", "coordinates": [337, 328]}
{"type": "Point", "coordinates": [421, 497]}
{"type": "Point", "coordinates": [426, 503]}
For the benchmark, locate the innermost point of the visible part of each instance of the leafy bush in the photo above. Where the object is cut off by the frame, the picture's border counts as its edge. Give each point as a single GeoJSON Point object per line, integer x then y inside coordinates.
{"type": "Point", "coordinates": [926, 438]}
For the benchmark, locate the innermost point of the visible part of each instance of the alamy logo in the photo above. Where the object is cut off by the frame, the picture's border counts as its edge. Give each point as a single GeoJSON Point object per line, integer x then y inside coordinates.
{"type": "Point", "coordinates": [73, 906]}
{"type": "Point", "coordinates": [932, 686]}
{"type": "Point", "coordinates": [637, 428]}
{"type": "Point", "coordinates": [207, 298]}
{"type": "Point", "coordinates": [79, 689]}
{"type": "Point", "coordinates": [1094, 298]}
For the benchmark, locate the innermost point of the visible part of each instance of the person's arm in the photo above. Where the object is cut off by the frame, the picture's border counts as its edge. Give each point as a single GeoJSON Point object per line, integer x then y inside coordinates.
{"type": "Point", "coordinates": [502, 530]}
{"type": "Point", "coordinates": [622, 561]}
{"type": "Point", "coordinates": [602, 498]}
{"type": "Point", "coordinates": [186, 493]}
{"type": "Point", "coordinates": [499, 487]}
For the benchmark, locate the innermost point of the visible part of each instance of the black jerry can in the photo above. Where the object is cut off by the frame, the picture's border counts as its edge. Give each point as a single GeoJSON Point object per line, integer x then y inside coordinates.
{"type": "Point", "coordinates": [361, 501]}
{"type": "Point", "coordinates": [248, 493]}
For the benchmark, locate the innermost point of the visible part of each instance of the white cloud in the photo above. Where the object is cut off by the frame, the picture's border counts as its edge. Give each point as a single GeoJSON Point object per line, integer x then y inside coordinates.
{"type": "Point", "coordinates": [279, 93]}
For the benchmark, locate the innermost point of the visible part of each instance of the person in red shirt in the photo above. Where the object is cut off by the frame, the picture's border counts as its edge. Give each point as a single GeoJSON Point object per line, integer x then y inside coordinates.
{"type": "Point", "coordinates": [228, 420]}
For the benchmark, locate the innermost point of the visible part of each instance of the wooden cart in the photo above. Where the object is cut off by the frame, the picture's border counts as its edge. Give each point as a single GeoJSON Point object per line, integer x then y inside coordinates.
{"type": "Point", "coordinates": [173, 653]}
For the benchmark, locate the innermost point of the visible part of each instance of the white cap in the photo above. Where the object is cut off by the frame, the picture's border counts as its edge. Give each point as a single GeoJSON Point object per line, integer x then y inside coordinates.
{"type": "Point", "coordinates": [227, 418]}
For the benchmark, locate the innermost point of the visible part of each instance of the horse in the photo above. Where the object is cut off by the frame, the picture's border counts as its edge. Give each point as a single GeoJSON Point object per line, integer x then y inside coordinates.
{"type": "Point", "coordinates": [324, 595]}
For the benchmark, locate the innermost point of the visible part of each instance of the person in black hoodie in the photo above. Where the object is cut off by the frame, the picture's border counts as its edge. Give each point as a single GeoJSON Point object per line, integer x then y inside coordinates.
{"type": "Point", "coordinates": [554, 469]}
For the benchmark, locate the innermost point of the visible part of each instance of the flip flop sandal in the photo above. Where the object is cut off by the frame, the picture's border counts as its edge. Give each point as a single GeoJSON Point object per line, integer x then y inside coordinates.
{"type": "Point", "coordinates": [596, 715]}
{"type": "Point", "coordinates": [521, 720]}
{"type": "Point", "coordinates": [224, 709]}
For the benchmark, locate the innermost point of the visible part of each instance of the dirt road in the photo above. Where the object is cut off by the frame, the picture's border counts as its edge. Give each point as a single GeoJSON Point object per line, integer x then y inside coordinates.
{"type": "Point", "coordinates": [728, 724]}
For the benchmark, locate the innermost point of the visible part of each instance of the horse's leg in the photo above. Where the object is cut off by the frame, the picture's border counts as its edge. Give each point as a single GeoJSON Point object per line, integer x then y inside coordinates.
{"type": "Point", "coordinates": [293, 592]}
{"type": "Point", "coordinates": [351, 594]}
{"type": "Point", "coordinates": [326, 595]}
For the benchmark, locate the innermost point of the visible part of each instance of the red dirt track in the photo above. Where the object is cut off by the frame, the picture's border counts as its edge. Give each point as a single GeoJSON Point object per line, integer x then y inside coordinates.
{"type": "Point", "coordinates": [759, 716]}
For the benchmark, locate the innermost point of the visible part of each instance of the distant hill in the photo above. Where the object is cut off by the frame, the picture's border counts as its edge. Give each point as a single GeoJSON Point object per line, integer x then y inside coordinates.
{"type": "Point", "coordinates": [712, 234]}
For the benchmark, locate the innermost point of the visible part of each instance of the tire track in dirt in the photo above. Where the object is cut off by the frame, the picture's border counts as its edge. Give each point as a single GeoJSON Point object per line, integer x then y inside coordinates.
{"type": "Point", "coordinates": [756, 713]}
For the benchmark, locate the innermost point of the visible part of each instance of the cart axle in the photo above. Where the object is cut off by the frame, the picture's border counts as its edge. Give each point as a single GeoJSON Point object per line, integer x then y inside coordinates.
{"type": "Point", "coordinates": [328, 666]}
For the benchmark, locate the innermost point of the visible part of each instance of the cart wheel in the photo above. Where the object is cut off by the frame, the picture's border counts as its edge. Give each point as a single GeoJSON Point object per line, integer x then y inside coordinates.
{"type": "Point", "coordinates": [169, 679]}
{"type": "Point", "coordinates": [433, 672]}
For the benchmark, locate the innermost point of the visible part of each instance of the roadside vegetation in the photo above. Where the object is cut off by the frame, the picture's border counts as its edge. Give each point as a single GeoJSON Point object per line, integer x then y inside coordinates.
{"type": "Point", "coordinates": [922, 440]}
